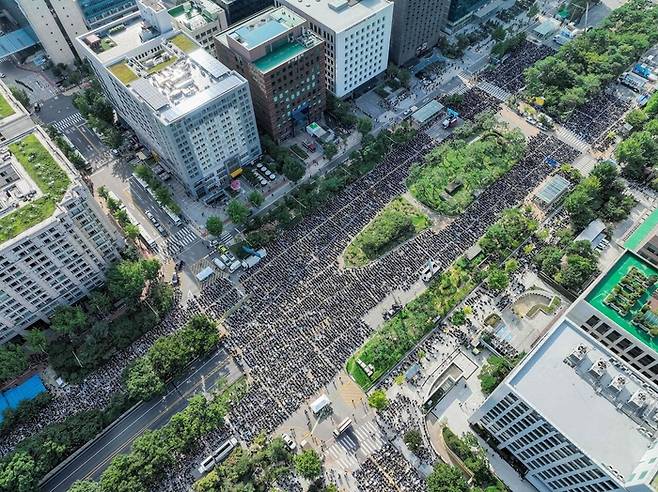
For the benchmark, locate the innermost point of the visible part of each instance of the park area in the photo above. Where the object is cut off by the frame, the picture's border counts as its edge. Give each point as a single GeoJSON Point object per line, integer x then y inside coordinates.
{"type": "Point", "coordinates": [455, 171]}
{"type": "Point", "coordinates": [399, 335]}
{"type": "Point", "coordinates": [396, 223]}
{"type": "Point", "coordinates": [5, 108]}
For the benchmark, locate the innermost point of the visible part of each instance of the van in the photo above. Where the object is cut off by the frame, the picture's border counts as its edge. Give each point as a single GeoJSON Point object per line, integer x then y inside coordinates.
{"type": "Point", "coordinates": [234, 266]}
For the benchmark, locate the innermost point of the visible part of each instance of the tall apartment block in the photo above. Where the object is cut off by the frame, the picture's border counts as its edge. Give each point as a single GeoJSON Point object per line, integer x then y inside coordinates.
{"type": "Point", "coordinates": [236, 10]}
{"type": "Point", "coordinates": [357, 35]}
{"type": "Point", "coordinates": [416, 27]}
{"type": "Point", "coordinates": [200, 20]}
{"type": "Point", "coordinates": [193, 112]}
{"type": "Point", "coordinates": [283, 61]}
{"type": "Point", "coordinates": [55, 243]}
{"type": "Point", "coordinates": [575, 417]}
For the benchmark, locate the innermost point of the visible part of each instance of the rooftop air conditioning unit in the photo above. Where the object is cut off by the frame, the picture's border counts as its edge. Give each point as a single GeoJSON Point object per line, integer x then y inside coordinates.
{"type": "Point", "coordinates": [618, 383]}
{"type": "Point", "coordinates": [639, 399]}
{"type": "Point", "coordinates": [599, 367]}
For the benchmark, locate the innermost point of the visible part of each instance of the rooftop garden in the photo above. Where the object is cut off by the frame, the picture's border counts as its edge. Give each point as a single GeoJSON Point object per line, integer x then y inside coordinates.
{"type": "Point", "coordinates": [51, 179]}
{"type": "Point", "coordinates": [5, 108]}
{"type": "Point", "coordinates": [625, 296]}
{"type": "Point", "coordinates": [396, 223]}
{"type": "Point", "coordinates": [184, 43]}
{"type": "Point", "coordinates": [124, 73]}
{"type": "Point", "coordinates": [106, 44]}
{"type": "Point", "coordinates": [162, 65]}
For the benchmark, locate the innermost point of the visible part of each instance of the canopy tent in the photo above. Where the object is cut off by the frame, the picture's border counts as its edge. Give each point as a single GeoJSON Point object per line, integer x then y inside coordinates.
{"type": "Point", "coordinates": [320, 403]}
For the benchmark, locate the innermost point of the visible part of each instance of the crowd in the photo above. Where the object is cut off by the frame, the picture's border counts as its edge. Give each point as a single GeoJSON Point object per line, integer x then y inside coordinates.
{"type": "Point", "coordinates": [593, 121]}
{"type": "Point", "coordinates": [508, 75]}
{"type": "Point", "coordinates": [388, 470]}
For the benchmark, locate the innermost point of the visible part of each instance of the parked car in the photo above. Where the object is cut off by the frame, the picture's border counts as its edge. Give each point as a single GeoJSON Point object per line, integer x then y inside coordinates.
{"type": "Point", "coordinates": [290, 442]}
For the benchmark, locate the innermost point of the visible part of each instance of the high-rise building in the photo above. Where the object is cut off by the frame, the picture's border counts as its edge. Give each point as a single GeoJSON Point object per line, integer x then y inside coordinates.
{"type": "Point", "coordinates": [283, 61]}
{"type": "Point", "coordinates": [356, 34]}
{"type": "Point", "coordinates": [236, 10]}
{"type": "Point", "coordinates": [188, 108]}
{"type": "Point", "coordinates": [417, 27]}
{"type": "Point", "coordinates": [55, 243]}
{"type": "Point", "coordinates": [574, 417]}
{"type": "Point", "coordinates": [200, 20]}
{"type": "Point", "coordinates": [461, 10]}
{"type": "Point", "coordinates": [99, 12]}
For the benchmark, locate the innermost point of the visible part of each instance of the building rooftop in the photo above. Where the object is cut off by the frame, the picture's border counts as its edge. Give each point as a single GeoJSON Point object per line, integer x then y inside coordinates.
{"type": "Point", "coordinates": [589, 396]}
{"type": "Point", "coordinates": [605, 286]}
{"type": "Point", "coordinates": [643, 232]}
{"type": "Point", "coordinates": [553, 189]}
{"type": "Point", "coordinates": [265, 27]}
{"type": "Point", "coordinates": [339, 15]}
{"type": "Point", "coordinates": [194, 15]}
{"type": "Point", "coordinates": [170, 71]}
{"type": "Point", "coordinates": [428, 111]}
{"type": "Point", "coordinates": [34, 178]}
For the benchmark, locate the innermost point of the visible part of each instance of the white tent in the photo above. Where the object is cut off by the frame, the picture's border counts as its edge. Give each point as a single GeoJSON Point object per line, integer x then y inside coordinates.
{"type": "Point", "coordinates": [320, 403]}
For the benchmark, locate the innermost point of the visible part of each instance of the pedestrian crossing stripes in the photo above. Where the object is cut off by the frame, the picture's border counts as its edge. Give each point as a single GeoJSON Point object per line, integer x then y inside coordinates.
{"type": "Point", "coordinates": [177, 242]}
{"type": "Point", "coordinates": [570, 138]}
{"type": "Point", "coordinates": [226, 238]}
{"type": "Point", "coordinates": [494, 90]}
{"type": "Point", "coordinates": [365, 438]}
{"type": "Point", "coordinates": [74, 119]}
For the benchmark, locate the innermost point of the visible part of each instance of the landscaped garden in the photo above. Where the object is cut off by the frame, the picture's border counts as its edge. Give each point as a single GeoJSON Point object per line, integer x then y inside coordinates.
{"type": "Point", "coordinates": [632, 286]}
{"type": "Point", "coordinates": [5, 108]}
{"type": "Point", "coordinates": [184, 43]}
{"type": "Point", "coordinates": [51, 179]}
{"type": "Point", "coordinates": [453, 172]}
{"type": "Point", "coordinates": [124, 73]}
{"type": "Point", "coordinates": [396, 223]}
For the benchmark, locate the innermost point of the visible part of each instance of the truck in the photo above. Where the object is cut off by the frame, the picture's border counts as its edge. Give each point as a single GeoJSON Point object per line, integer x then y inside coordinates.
{"type": "Point", "coordinates": [234, 266]}
{"type": "Point", "coordinates": [254, 258]}
{"type": "Point", "coordinates": [450, 119]}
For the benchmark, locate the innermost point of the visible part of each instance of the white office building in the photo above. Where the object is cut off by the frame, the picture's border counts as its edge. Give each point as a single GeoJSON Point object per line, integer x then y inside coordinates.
{"type": "Point", "coordinates": [202, 20]}
{"type": "Point", "coordinates": [193, 112]}
{"type": "Point", "coordinates": [576, 417]}
{"type": "Point", "coordinates": [55, 242]}
{"type": "Point", "coordinates": [357, 35]}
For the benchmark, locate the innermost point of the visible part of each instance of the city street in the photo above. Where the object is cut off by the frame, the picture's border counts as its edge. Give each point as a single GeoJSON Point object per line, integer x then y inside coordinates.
{"type": "Point", "coordinates": [91, 461]}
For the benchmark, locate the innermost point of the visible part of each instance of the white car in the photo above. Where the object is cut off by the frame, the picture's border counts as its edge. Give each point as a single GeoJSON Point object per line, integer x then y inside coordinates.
{"type": "Point", "coordinates": [290, 442]}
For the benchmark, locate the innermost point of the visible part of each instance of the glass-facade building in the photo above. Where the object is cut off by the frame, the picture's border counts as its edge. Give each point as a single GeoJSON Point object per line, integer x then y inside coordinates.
{"type": "Point", "coordinates": [97, 12]}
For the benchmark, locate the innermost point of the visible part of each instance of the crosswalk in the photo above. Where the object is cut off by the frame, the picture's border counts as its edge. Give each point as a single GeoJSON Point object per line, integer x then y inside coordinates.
{"type": "Point", "coordinates": [179, 241]}
{"type": "Point", "coordinates": [226, 238]}
{"type": "Point", "coordinates": [570, 138]}
{"type": "Point", "coordinates": [365, 439]}
{"type": "Point", "coordinates": [494, 90]}
{"type": "Point", "coordinates": [71, 120]}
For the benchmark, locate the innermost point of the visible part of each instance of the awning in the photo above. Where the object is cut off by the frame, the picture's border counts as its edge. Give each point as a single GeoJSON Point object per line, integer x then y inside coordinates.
{"type": "Point", "coordinates": [236, 172]}
{"type": "Point", "coordinates": [320, 403]}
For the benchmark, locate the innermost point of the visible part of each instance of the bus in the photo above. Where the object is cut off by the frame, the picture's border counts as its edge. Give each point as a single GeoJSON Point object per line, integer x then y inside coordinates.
{"type": "Point", "coordinates": [219, 455]}
{"type": "Point", "coordinates": [344, 425]}
{"type": "Point", "coordinates": [174, 218]}
{"type": "Point", "coordinates": [147, 239]}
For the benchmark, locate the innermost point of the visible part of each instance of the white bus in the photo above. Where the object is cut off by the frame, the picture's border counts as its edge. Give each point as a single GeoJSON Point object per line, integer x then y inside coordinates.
{"type": "Point", "coordinates": [344, 425]}
{"type": "Point", "coordinates": [174, 218]}
{"type": "Point", "coordinates": [219, 455]}
{"type": "Point", "coordinates": [147, 239]}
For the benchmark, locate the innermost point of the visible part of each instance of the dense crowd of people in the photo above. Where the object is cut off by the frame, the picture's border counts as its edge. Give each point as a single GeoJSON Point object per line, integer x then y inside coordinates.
{"type": "Point", "coordinates": [508, 75]}
{"type": "Point", "coordinates": [388, 470]}
{"type": "Point", "coordinates": [594, 120]}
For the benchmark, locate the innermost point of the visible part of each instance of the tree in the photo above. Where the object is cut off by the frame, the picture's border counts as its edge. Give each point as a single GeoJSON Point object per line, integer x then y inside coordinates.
{"type": "Point", "coordinates": [256, 198]}
{"type": "Point", "coordinates": [13, 361]}
{"type": "Point", "coordinates": [127, 279]}
{"type": "Point", "coordinates": [308, 464]}
{"type": "Point", "coordinates": [577, 271]}
{"type": "Point", "coordinates": [378, 400]}
{"type": "Point", "coordinates": [636, 118]}
{"type": "Point", "coordinates": [214, 225]}
{"type": "Point", "coordinates": [141, 380]}
{"type": "Point", "coordinates": [511, 266]}
{"type": "Point", "coordinates": [493, 372]}
{"type": "Point", "coordinates": [497, 279]}
{"type": "Point", "coordinates": [131, 231]}
{"type": "Point", "coordinates": [19, 474]}
{"type": "Point", "coordinates": [21, 96]}
{"type": "Point", "coordinates": [36, 340]}
{"type": "Point", "coordinates": [237, 211]}
{"type": "Point", "coordinates": [446, 478]}
{"type": "Point", "coordinates": [68, 320]}
{"type": "Point", "coordinates": [582, 201]}
{"type": "Point", "coordinates": [85, 486]}
{"type": "Point", "coordinates": [413, 440]}
{"type": "Point", "coordinates": [363, 125]}
{"type": "Point", "coordinates": [293, 169]}
{"type": "Point", "coordinates": [549, 260]}
{"type": "Point", "coordinates": [99, 302]}
{"type": "Point", "coordinates": [637, 153]}
{"type": "Point", "coordinates": [330, 150]}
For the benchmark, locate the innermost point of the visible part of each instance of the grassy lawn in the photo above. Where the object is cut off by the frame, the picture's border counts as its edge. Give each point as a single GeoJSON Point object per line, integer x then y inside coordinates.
{"type": "Point", "coordinates": [124, 73]}
{"type": "Point", "coordinates": [162, 65]}
{"type": "Point", "coordinates": [474, 165]}
{"type": "Point", "coordinates": [5, 108]}
{"type": "Point", "coordinates": [397, 336]}
{"type": "Point", "coordinates": [184, 43]}
{"type": "Point", "coordinates": [48, 176]}
{"type": "Point", "coordinates": [396, 223]}
{"type": "Point", "coordinates": [106, 44]}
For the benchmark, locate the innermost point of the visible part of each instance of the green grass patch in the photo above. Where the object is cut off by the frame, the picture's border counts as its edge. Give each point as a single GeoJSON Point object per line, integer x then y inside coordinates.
{"type": "Point", "coordinates": [162, 65]}
{"type": "Point", "coordinates": [473, 165]}
{"type": "Point", "coordinates": [399, 335]}
{"type": "Point", "coordinates": [396, 223]}
{"type": "Point", "coordinates": [51, 179]}
{"type": "Point", "coordinates": [124, 73]}
{"type": "Point", "coordinates": [107, 44]}
{"type": "Point", "coordinates": [5, 108]}
{"type": "Point", "coordinates": [184, 43]}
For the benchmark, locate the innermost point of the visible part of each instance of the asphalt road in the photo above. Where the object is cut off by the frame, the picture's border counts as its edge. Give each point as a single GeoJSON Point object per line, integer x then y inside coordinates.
{"type": "Point", "coordinates": [90, 463]}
